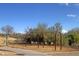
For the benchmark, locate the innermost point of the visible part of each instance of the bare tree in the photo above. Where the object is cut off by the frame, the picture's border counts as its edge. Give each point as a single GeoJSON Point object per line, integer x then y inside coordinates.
{"type": "Point", "coordinates": [7, 30]}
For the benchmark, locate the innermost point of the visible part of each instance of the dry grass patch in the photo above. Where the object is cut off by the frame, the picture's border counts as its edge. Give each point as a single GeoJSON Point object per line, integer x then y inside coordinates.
{"type": "Point", "coordinates": [7, 53]}
{"type": "Point", "coordinates": [10, 40]}
{"type": "Point", "coordinates": [41, 49]}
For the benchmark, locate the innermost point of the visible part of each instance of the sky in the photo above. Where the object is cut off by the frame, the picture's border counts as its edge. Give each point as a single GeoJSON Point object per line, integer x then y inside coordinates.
{"type": "Point", "coordinates": [21, 15]}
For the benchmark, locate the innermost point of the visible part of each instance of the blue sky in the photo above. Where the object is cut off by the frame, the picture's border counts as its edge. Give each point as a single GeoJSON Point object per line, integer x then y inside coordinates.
{"type": "Point", "coordinates": [20, 16]}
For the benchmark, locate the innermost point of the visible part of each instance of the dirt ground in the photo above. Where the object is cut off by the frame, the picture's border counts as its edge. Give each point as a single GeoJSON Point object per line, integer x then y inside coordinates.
{"type": "Point", "coordinates": [35, 47]}
{"type": "Point", "coordinates": [7, 53]}
{"type": "Point", "coordinates": [41, 49]}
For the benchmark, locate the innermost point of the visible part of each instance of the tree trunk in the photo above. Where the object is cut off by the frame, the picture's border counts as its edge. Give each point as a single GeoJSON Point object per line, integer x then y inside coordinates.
{"type": "Point", "coordinates": [43, 44]}
{"type": "Point", "coordinates": [55, 42]}
{"type": "Point", "coordinates": [38, 44]}
{"type": "Point", "coordinates": [60, 41]}
{"type": "Point", "coordinates": [6, 40]}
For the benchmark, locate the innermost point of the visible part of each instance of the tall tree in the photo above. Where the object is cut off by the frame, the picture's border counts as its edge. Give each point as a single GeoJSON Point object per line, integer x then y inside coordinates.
{"type": "Point", "coordinates": [50, 35]}
{"type": "Point", "coordinates": [73, 36]}
{"type": "Point", "coordinates": [58, 35]}
{"type": "Point", "coordinates": [41, 30]}
{"type": "Point", "coordinates": [7, 30]}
